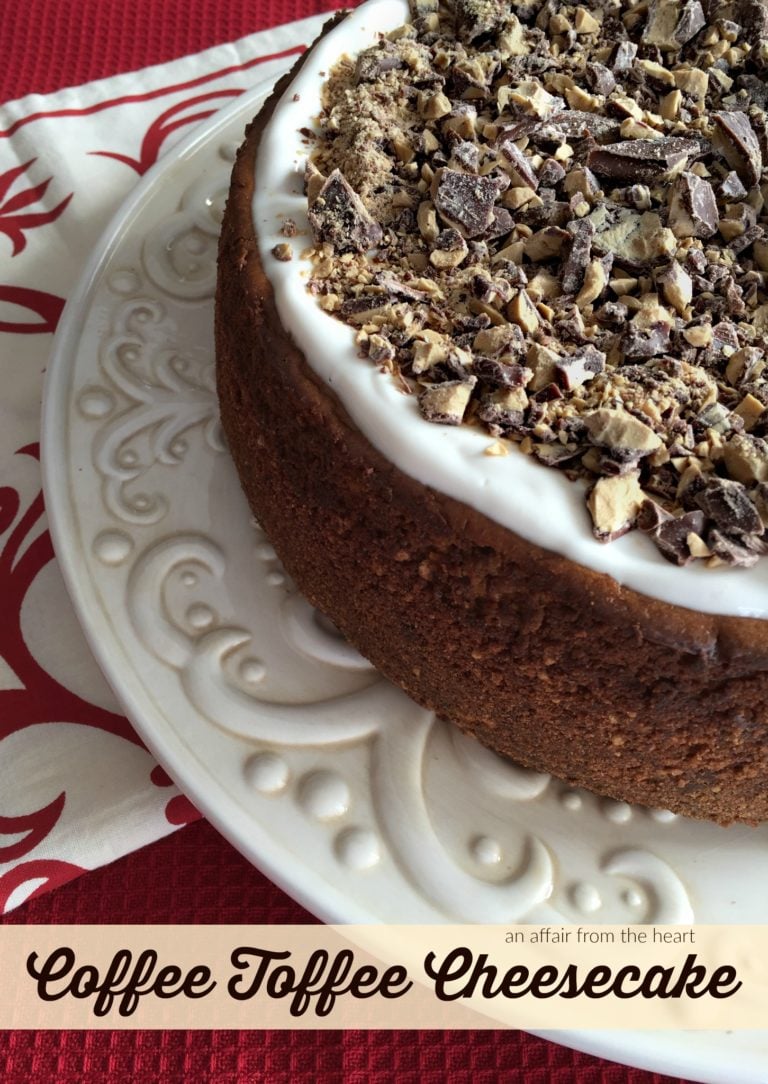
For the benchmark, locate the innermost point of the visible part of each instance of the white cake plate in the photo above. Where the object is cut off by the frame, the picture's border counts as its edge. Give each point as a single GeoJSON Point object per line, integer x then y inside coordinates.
{"type": "Point", "coordinates": [356, 801]}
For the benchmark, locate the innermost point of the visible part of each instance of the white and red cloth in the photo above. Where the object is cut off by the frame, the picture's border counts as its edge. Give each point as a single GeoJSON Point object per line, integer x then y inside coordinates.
{"type": "Point", "coordinates": [77, 788]}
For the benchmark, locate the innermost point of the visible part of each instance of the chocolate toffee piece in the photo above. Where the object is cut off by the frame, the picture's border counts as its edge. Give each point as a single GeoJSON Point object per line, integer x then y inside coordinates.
{"type": "Point", "coordinates": [480, 18]}
{"type": "Point", "coordinates": [576, 124]}
{"type": "Point", "coordinates": [531, 98]}
{"type": "Point", "coordinates": [545, 225]}
{"type": "Point", "coordinates": [620, 431]}
{"type": "Point", "coordinates": [727, 504]}
{"type": "Point", "coordinates": [746, 458]}
{"type": "Point", "coordinates": [739, 244]}
{"type": "Point", "coordinates": [732, 551]}
{"type": "Point", "coordinates": [517, 164]}
{"type": "Point", "coordinates": [450, 250]}
{"type": "Point", "coordinates": [398, 289]}
{"type": "Point", "coordinates": [556, 455]}
{"type": "Point", "coordinates": [753, 14]}
{"type": "Point", "coordinates": [731, 187]}
{"type": "Point", "coordinates": [551, 173]}
{"type": "Point", "coordinates": [693, 208]}
{"type": "Point", "coordinates": [502, 372]}
{"type": "Point", "coordinates": [757, 92]}
{"type": "Point", "coordinates": [446, 403]}
{"type": "Point", "coordinates": [503, 410]}
{"type": "Point", "coordinates": [645, 338]}
{"type": "Point", "coordinates": [644, 160]}
{"type": "Point", "coordinates": [671, 23]}
{"type": "Point", "coordinates": [614, 504]}
{"type": "Point", "coordinates": [734, 138]}
{"type": "Point", "coordinates": [674, 535]}
{"type": "Point", "coordinates": [465, 155]}
{"type": "Point", "coordinates": [546, 243]}
{"type": "Point", "coordinates": [676, 286]}
{"type": "Point", "coordinates": [582, 231]}
{"type": "Point", "coordinates": [465, 202]}
{"type": "Point", "coordinates": [339, 217]}
{"type": "Point", "coordinates": [637, 241]}
{"type": "Point", "coordinates": [691, 21]}
{"type": "Point", "coordinates": [373, 63]}
{"type": "Point", "coordinates": [599, 78]}
{"type": "Point", "coordinates": [623, 57]}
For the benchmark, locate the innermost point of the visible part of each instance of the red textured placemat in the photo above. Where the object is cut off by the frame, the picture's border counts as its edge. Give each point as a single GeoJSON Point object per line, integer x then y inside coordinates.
{"type": "Point", "coordinates": [194, 876]}
{"type": "Point", "coordinates": [49, 44]}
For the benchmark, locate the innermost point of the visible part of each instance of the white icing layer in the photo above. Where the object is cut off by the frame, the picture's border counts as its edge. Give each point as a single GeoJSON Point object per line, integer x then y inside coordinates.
{"type": "Point", "coordinates": [536, 502]}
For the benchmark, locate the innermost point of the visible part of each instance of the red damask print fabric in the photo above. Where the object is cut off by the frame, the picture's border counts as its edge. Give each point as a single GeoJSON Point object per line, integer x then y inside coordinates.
{"type": "Point", "coordinates": [17, 299]}
{"type": "Point", "coordinates": [77, 787]}
{"type": "Point", "coordinates": [178, 116]}
{"type": "Point", "coordinates": [15, 215]}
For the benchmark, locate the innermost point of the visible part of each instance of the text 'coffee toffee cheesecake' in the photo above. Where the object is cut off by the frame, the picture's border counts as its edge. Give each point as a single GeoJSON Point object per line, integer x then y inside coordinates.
{"type": "Point", "coordinates": [492, 329]}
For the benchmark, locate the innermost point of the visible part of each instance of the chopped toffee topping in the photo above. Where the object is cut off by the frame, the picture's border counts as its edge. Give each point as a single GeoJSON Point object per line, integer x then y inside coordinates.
{"type": "Point", "coordinates": [548, 221]}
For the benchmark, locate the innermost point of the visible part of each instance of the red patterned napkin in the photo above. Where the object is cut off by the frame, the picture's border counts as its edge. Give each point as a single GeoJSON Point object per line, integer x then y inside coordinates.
{"type": "Point", "coordinates": [77, 788]}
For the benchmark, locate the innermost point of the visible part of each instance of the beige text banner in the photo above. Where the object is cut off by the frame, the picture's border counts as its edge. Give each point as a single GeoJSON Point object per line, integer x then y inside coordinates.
{"type": "Point", "coordinates": [388, 977]}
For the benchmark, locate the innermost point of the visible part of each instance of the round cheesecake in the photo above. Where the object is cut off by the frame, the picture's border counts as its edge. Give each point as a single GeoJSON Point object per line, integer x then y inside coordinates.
{"type": "Point", "coordinates": [476, 581]}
